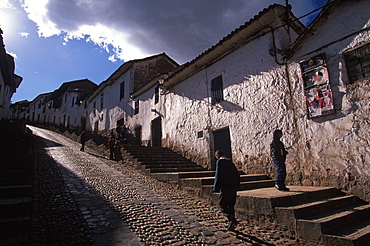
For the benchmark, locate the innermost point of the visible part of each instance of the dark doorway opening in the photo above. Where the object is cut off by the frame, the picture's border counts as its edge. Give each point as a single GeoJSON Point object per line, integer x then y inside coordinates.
{"type": "Point", "coordinates": [221, 140]}
{"type": "Point", "coordinates": [157, 132]}
{"type": "Point", "coordinates": [137, 139]}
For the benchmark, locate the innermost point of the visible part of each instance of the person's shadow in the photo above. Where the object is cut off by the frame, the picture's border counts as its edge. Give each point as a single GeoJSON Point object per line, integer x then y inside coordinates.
{"type": "Point", "coordinates": [250, 239]}
{"type": "Point", "coordinates": [98, 156]}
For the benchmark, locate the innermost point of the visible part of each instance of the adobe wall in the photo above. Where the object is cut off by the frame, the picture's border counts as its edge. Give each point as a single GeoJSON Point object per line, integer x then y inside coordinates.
{"type": "Point", "coordinates": [256, 102]}
{"type": "Point", "coordinates": [334, 150]}
{"type": "Point", "coordinates": [261, 96]}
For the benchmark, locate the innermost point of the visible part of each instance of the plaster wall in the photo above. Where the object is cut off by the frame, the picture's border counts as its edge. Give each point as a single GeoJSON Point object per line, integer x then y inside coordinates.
{"type": "Point", "coordinates": [72, 110]}
{"type": "Point", "coordinates": [95, 115]}
{"type": "Point", "coordinates": [2, 96]}
{"type": "Point", "coordinates": [148, 111]}
{"type": "Point", "coordinates": [119, 109]}
{"type": "Point", "coordinates": [334, 150]}
{"type": "Point", "coordinates": [113, 109]}
{"type": "Point", "coordinates": [37, 109]}
{"type": "Point", "coordinates": [256, 102]}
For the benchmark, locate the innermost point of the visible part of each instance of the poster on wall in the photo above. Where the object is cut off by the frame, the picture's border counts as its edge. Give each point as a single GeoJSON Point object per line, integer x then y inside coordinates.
{"type": "Point", "coordinates": [316, 76]}
{"type": "Point", "coordinates": [318, 94]}
{"type": "Point", "coordinates": [319, 100]}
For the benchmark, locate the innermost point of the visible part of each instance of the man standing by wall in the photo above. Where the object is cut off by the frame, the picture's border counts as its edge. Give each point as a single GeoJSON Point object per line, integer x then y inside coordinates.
{"type": "Point", "coordinates": [227, 180]}
{"type": "Point", "coordinates": [278, 154]}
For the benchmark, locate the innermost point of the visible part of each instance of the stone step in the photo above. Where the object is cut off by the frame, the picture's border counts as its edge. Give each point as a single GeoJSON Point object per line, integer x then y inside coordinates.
{"type": "Point", "coordinates": [248, 185]}
{"type": "Point", "coordinates": [158, 154]}
{"type": "Point", "coordinates": [164, 161]}
{"type": "Point", "coordinates": [168, 162]}
{"type": "Point", "coordinates": [5, 181]}
{"type": "Point", "coordinates": [11, 166]}
{"type": "Point", "coordinates": [173, 169]}
{"type": "Point", "coordinates": [146, 150]}
{"type": "Point", "coordinates": [178, 176]}
{"type": "Point", "coordinates": [15, 231]}
{"type": "Point", "coordinates": [16, 157]}
{"type": "Point", "coordinates": [256, 184]}
{"type": "Point", "coordinates": [14, 207]}
{"type": "Point", "coordinates": [287, 215]}
{"type": "Point", "coordinates": [355, 234]}
{"type": "Point", "coordinates": [265, 200]}
{"type": "Point", "coordinates": [210, 180]}
{"type": "Point", "coordinates": [169, 165]}
{"type": "Point", "coordinates": [13, 191]}
{"type": "Point", "coordinates": [14, 173]}
{"type": "Point", "coordinates": [315, 227]}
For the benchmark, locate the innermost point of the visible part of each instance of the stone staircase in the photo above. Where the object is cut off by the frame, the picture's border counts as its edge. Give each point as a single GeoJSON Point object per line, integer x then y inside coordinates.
{"type": "Point", "coordinates": [162, 163]}
{"type": "Point", "coordinates": [322, 215]}
{"type": "Point", "coordinates": [16, 171]}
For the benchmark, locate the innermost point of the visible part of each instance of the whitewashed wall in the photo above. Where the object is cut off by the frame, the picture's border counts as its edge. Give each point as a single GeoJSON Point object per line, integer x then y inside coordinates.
{"type": "Point", "coordinates": [36, 109]}
{"type": "Point", "coordinates": [95, 115]}
{"type": "Point", "coordinates": [2, 95]}
{"type": "Point", "coordinates": [148, 111]}
{"type": "Point", "coordinates": [256, 102]}
{"type": "Point", "coordinates": [113, 109]}
{"type": "Point", "coordinates": [334, 150]}
{"type": "Point", "coordinates": [72, 110]}
{"type": "Point", "coordinates": [119, 109]}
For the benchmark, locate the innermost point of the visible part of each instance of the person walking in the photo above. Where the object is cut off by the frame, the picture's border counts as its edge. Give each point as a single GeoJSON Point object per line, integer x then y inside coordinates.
{"type": "Point", "coordinates": [83, 139]}
{"type": "Point", "coordinates": [278, 154]}
{"type": "Point", "coordinates": [111, 146]}
{"type": "Point", "coordinates": [227, 181]}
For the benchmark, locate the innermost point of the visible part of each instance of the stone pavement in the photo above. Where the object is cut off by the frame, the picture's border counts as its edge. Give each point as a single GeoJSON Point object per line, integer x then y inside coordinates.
{"type": "Point", "coordinates": [82, 198]}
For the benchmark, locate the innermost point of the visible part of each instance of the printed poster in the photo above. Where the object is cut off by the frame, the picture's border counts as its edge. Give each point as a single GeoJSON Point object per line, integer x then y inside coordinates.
{"type": "Point", "coordinates": [319, 97]}
{"type": "Point", "coordinates": [319, 100]}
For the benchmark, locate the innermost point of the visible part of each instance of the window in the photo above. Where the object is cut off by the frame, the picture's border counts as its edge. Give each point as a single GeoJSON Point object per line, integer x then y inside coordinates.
{"type": "Point", "coordinates": [101, 101]}
{"type": "Point", "coordinates": [156, 95]}
{"type": "Point", "coordinates": [73, 101]}
{"type": "Point", "coordinates": [122, 90]}
{"type": "Point", "coordinates": [217, 90]}
{"type": "Point", "coordinates": [137, 107]}
{"type": "Point", "coordinates": [358, 63]}
{"type": "Point", "coordinates": [94, 109]}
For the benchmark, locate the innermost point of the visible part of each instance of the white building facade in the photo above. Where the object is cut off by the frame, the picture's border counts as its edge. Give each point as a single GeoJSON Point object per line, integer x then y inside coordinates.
{"type": "Point", "coordinates": [111, 104]}
{"type": "Point", "coordinates": [232, 96]}
{"type": "Point", "coordinates": [329, 72]}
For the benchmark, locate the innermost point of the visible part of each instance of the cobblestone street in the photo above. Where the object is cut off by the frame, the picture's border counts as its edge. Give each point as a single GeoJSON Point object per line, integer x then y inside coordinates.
{"type": "Point", "coordinates": [83, 198]}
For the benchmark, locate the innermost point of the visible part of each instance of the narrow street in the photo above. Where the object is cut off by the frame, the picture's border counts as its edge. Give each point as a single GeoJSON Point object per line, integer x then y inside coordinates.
{"type": "Point", "coordinates": [83, 198]}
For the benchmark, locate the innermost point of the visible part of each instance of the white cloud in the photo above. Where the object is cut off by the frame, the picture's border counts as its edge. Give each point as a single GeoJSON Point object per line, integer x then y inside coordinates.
{"type": "Point", "coordinates": [13, 55]}
{"type": "Point", "coordinates": [37, 12]}
{"type": "Point", "coordinates": [24, 34]}
{"type": "Point", "coordinates": [135, 29]}
{"type": "Point", "coordinates": [5, 4]}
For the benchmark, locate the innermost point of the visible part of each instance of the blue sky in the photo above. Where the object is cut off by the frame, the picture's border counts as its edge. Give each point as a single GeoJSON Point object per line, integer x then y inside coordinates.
{"type": "Point", "coordinates": [56, 41]}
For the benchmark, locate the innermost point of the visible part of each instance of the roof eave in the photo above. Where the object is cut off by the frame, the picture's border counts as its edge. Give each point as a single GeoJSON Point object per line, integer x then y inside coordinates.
{"type": "Point", "coordinates": [235, 39]}
{"type": "Point", "coordinates": [311, 29]}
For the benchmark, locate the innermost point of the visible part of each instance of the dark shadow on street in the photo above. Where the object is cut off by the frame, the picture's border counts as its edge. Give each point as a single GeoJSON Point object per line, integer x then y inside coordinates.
{"type": "Point", "coordinates": [50, 143]}
{"type": "Point", "coordinates": [251, 239]}
{"type": "Point", "coordinates": [62, 204]}
{"type": "Point", "coordinates": [98, 156]}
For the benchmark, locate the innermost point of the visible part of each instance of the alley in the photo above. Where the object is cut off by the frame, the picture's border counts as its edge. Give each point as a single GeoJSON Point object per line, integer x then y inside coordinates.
{"type": "Point", "coordinates": [83, 198]}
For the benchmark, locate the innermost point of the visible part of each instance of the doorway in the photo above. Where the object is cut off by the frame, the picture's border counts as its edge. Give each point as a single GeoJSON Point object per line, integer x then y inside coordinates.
{"type": "Point", "coordinates": [137, 136]}
{"type": "Point", "coordinates": [83, 123]}
{"type": "Point", "coordinates": [221, 140]}
{"type": "Point", "coordinates": [156, 128]}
